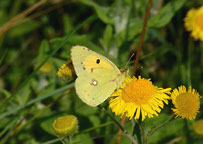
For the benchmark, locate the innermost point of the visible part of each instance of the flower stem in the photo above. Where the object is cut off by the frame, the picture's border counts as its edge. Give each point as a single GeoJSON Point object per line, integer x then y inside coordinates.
{"type": "Point", "coordinates": [190, 47]}
{"type": "Point", "coordinates": [142, 36]}
{"type": "Point", "coordinates": [120, 126]}
{"type": "Point", "coordinates": [62, 140]}
{"type": "Point", "coordinates": [143, 134]}
{"type": "Point", "coordinates": [201, 51]}
{"type": "Point", "coordinates": [70, 139]}
{"type": "Point", "coordinates": [153, 130]}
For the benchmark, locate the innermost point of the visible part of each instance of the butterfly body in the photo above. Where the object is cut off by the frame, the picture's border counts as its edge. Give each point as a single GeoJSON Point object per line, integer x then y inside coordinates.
{"type": "Point", "coordinates": [97, 78]}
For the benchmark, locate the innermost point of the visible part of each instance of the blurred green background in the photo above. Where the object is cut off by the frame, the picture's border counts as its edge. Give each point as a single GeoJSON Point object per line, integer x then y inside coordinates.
{"type": "Point", "coordinates": [35, 40]}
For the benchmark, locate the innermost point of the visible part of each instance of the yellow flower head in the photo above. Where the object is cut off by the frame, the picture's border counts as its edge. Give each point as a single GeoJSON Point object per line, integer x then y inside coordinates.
{"type": "Point", "coordinates": [46, 68]}
{"type": "Point", "coordinates": [198, 126]}
{"type": "Point", "coordinates": [65, 126]}
{"type": "Point", "coordinates": [187, 103]}
{"type": "Point", "coordinates": [138, 98]}
{"type": "Point", "coordinates": [194, 23]}
{"type": "Point", "coordinates": [65, 73]}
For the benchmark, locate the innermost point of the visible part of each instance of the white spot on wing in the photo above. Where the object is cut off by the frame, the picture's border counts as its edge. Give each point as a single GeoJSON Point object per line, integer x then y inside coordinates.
{"type": "Point", "coordinates": [94, 82]}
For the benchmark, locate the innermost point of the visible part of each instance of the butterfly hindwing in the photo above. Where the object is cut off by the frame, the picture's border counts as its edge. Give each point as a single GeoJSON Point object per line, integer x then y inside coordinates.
{"type": "Point", "coordinates": [93, 89]}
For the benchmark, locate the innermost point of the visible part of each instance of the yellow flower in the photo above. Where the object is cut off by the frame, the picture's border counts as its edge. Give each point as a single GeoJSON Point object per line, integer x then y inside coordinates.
{"type": "Point", "coordinates": [187, 103]}
{"type": "Point", "coordinates": [65, 73]}
{"type": "Point", "coordinates": [198, 126]}
{"type": "Point", "coordinates": [46, 68]}
{"type": "Point", "coordinates": [194, 23]}
{"type": "Point", "coordinates": [65, 126]}
{"type": "Point", "coordinates": [138, 98]}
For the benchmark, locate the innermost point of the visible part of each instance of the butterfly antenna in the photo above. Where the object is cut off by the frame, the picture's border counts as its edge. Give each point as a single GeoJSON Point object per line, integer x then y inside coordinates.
{"type": "Point", "coordinates": [129, 59]}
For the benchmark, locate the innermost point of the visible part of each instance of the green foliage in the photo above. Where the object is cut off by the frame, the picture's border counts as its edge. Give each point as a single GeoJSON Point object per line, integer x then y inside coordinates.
{"type": "Point", "coordinates": [23, 29]}
{"type": "Point", "coordinates": [166, 14]}
{"type": "Point", "coordinates": [31, 98]}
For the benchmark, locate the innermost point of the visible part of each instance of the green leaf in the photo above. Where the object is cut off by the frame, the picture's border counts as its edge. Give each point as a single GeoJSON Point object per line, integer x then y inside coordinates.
{"type": "Point", "coordinates": [172, 128]}
{"type": "Point", "coordinates": [33, 101]}
{"type": "Point", "coordinates": [5, 92]}
{"type": "Point", "coordinates": [23, 28]}
{"type": "Point", "coordinates": [67, 24]}
{"type": "Point", "coordinates": [83, 139]}
{"type": "Point", "coordinates": [44, 48]}
{"type": "Point", "coordinates": [74, 40]}
{"type": "Point", "coordinates": [106, 41]}
{"type": "Point", "coordinates": [24, 94]}
{"type": "Point", "coordinates": [47, 121]}
{"type": "Point", "coordinates": [108, 34]}
{"type": "Point", "coordinates": [96, 121]}
{"type": "Point", "coordinates": [119, 13]}
{"type": "Point", "coordinates": [83, 109]}
{"type": "Point", "coordinates": [3, 17]}
{"type": "Point", "coordinates": [135, 27]}
{"type": "Point", "coordinates": [3, 55]}
{"type": "Point", "coordinates": [102, 12]}
{"type": "Point", "coordinates": [83, 40]}
{"type": "Point", "coordinates": [165, 15]}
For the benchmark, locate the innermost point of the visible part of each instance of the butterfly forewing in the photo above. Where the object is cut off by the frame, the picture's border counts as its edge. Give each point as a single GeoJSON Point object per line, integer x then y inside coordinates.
{"type": "Point", "coordinates": [84, 58]}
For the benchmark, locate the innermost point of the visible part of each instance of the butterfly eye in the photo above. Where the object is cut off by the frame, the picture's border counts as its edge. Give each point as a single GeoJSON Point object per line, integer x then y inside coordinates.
{"type": "Point", "coordinates": [98, 61]}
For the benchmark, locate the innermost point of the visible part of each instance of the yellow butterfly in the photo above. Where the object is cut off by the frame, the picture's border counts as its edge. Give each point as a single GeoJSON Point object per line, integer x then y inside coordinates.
{"type": "Point", "coordinates": [97, 78]}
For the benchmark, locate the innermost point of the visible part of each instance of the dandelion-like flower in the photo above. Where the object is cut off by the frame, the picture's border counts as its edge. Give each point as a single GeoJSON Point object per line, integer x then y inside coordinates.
{"type": "Point", "coordinates": [194, 22]}
{"type": "Point", "coordinates": [65, 126]}
{"type": "Point", "coordinates": [138, 97]}
{"type": "Point", "coordinates": [65, 73]}
{"type": "Point", "coordinates": [187, 103]}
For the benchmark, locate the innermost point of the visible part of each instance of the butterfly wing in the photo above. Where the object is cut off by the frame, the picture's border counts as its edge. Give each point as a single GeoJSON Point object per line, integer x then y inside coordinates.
{"type": "Point", "coordinates": [97, 78]}
{"type": "Point", "coordinates": [85, 59]}
{"type": "Point", "coordinates": [95, 87]}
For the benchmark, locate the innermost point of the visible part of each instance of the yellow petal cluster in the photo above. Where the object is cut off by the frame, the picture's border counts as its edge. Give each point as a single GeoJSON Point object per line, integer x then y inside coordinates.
{"type": "Point", "coordinates": [138, 97]}
{"type": "Point", "coordinates": [187, 103]}
{"type": "Point", "coordinates": [65, 73]}
{"type": "Point", "coordinates": [194, 23]}
{"type": "Point", "coordinates": [65, 126]}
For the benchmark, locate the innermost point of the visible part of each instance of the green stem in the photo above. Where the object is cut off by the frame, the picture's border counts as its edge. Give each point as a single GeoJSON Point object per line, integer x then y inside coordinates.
{"type": "Point", "coordinates": [143, 134]}
{"type": "Point", "coordinates": [62, 139]}
{"type": "Point", "coordinates": [152, 131]}
{"type": "Point", "coordinates": [96, 127]}
{"type": "Point", "coordinates": [70, 139]}
{"type": "Point", "coordinates": [120, 126]}
{"type": "Point", "coordinates": [191, 45]}
{"type": "Point", "coordinates": [201, 51]}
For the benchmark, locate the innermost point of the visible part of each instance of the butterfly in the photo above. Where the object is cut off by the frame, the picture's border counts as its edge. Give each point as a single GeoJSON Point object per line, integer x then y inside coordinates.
{"type": "Point", "coordinates": [98, 77]}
